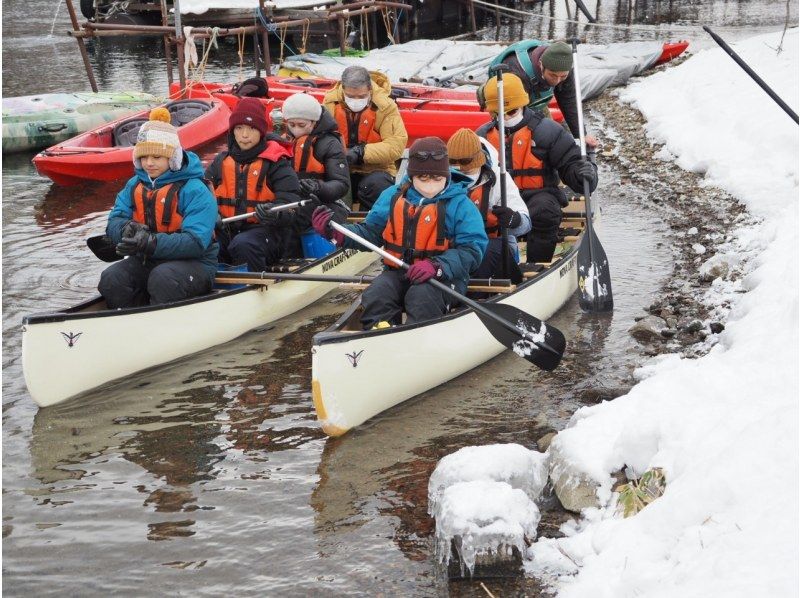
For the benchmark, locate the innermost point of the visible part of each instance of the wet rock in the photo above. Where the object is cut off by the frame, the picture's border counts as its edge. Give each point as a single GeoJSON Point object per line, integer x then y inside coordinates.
{"type": "Point", "coordinates": [714, 267]}
{"type": "Point", "coordinates": [716, 327]}
{"type": "Point", "coordinates": [647, 329]}
{"type": "Point", "coordinates": [698, 248]}
{"type": "Point", "coordinates": [544, 442]}
{"type": "Point", "coordinates": [574, 489]}
{"type": "Point", "coordinates": [672, 322]}
{"type": "Point", "coordinates": [692, 326]}
{"type": "Point", "coordinates": [619, 479]}
{"type": "Point", "coordinates": [668, 332]}
{"type": "Point", "coordinates": [692, 231]}
{"type": "Point", "coordinates": [598, 394]}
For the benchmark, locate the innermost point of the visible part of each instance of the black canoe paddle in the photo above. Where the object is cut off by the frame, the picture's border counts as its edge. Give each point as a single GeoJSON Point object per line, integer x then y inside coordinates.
{"type": "Point", "coordinates": [106, 250]}
{"type": "Point", "coordinates": [530, 338]}
{"type": "Point", "coordinates": [594, 276]}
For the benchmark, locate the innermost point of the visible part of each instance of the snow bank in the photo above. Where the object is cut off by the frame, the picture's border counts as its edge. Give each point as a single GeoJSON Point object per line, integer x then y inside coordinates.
{"type": "Point", "coordinates": [723, 427]}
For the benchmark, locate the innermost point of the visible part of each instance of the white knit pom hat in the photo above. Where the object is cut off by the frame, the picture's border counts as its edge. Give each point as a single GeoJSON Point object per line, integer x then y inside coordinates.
{"type": "Point", "coordinates": [302, 105]}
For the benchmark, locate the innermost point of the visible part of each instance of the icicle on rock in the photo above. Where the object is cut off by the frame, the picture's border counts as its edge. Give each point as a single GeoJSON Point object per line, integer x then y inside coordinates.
{"type": "Point", "coordinates": [484, 518]}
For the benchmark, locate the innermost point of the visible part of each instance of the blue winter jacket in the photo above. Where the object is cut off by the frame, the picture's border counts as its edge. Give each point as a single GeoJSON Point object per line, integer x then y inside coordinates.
{"type": "Point", "coordinates": [463, 227]}
{"type": "Point", "coordinates": [196, 205]}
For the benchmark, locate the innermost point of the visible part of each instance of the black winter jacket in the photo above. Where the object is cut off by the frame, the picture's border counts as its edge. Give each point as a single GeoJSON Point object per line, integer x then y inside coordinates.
{"type": "Point", "coordinates": [329, 151]}
{"type": "Point", "coordinates": [553, 146]}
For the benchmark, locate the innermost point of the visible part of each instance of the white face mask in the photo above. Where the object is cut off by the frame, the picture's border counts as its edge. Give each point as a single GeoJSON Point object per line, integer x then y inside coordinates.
{"type": "Point", "coordinates": [514, 120]}
{"type": "Point", "coordinates": [301, 130]}
{"type": "Point", "coordinates": [356, 104]}
{"type": "Point", "coordinates": [429, 189]}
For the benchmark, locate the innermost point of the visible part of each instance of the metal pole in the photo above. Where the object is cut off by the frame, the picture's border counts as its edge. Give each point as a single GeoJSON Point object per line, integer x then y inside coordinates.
{"type": "Point", "coordinates": [256, 58]}
{"type": "Point", "coordinates": [472, 16]}
{"type": "Point", "coordinates": [81, 46]}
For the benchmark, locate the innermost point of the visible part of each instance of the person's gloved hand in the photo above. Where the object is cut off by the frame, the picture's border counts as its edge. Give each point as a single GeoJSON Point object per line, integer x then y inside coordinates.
{"type": "Point", "coordinates": [422, 271]}
{"type": "Point", "coordinates": [507, 217]}
{"type": "Point", "coordinates": [355, 155]}
{"type": "Point", "coordinates": [588, 171]}
{"type": "Point", "coordinates": [321, 221]}
{"type": "Point", "coordinates": [309, 187]}
{"type": "Point", "coordinates": [269, 217]}
{"type": "Point", "coordinates": [130, 228]}
{"type": "Point", "coordinates": [141, 241]}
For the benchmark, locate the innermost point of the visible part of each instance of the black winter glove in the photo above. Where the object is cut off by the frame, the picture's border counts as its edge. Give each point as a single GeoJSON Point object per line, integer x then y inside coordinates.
{"type": "Point", "coordinates": [355, 155]}
{"type": "Point", "coordinates": [142, 241]}
{"type": "Point", "coordinates": [131, 227]}
{"type": "Point", "coordinates": [507, 217]}
{"type": "Point", "coordinates": [309, 187]}
{"type": "Point", "coordinates": [269, 217]}
{"type": "Point", "coordinates": [587, 170]}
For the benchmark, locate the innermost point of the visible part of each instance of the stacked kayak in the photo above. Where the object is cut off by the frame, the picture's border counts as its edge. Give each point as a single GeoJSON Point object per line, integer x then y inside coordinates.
{"type": "Point", "coordinates": [34, 122]}
{"type": "Point", "coordinates": [422, 116]}
{"type": "Point", "coordinates": [106, 152]}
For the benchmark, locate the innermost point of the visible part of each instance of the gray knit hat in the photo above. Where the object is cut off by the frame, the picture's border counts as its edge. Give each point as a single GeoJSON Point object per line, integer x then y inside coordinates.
{"type": "Point", "coordinates": [557, 57]}
{"type": "Point", "coordinates": [302, 105]}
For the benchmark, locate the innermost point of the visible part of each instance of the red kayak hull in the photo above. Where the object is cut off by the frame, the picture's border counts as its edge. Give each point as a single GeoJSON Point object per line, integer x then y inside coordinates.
{"type": "Point", "coordinates": [93, 156]}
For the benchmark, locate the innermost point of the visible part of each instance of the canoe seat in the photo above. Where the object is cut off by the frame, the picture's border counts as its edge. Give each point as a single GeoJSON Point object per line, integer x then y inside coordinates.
{"type": "Point", "coordinates": [185, 111]}
{"type": "Point", "coordinates": [399, 92]}
{"type": "Point", "coordinates": [125, 133]}
{"type": "Point", "coordinates": [299, 82]}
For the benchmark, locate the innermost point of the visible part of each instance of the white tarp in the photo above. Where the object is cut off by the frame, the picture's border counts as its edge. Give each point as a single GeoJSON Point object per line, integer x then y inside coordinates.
{"type": "Point", "coordinates": [199, 7]}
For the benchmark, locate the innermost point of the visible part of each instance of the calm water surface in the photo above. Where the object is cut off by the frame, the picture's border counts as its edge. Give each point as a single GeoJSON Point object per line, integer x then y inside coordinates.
{"type": "Point", "coordinates": [211, 475]}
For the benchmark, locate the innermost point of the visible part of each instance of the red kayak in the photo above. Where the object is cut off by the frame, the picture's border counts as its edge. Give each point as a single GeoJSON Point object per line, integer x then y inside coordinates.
{"type": "Point", "coordinates": [671, 51]}
{"type": "Point", "coordinates": [106, 153]}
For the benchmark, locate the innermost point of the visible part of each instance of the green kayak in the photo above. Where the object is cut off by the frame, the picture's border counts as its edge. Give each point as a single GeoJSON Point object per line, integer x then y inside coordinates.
{"type": "Point", "coordinates": [33, 122]}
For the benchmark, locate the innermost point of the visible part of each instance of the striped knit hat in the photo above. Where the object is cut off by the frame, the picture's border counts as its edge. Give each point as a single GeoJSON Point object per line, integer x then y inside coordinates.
{"type": "Point", "coordinates": [157, 137]}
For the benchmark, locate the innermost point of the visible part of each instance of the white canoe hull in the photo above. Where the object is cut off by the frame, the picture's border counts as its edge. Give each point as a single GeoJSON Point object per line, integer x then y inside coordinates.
{"type": "Point", "coordinates": [358, 375]}
{"type": "Point", "coordinates": [66, 354]}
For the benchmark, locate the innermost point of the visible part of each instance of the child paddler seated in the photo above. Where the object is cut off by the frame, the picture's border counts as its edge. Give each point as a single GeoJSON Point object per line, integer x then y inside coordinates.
{"type": "Point", "coordinates": [163, 222]}
{"type": "Point", "coordinates": [478, 160]}
{"type": "Point", "coordinates": [319, 158]}
{"type": "Point", "coordinates": [253, 175]}
{"type": "Point", "coordinates": [429, 222]}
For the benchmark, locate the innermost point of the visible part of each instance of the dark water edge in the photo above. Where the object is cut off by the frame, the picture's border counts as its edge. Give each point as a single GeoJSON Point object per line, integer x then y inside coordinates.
{"type": "Point", "coordinates": [211, 475]}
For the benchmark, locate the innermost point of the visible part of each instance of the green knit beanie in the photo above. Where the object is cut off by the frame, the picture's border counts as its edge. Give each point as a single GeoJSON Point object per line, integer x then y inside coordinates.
{"type": "Point", "coordinates": [557, 57]}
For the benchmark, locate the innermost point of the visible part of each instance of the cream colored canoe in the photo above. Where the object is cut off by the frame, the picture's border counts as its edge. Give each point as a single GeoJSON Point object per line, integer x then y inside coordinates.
{"type": "Point", "coordinates": [68, 353]}
{"type": "Point", "coordinates": [358, 374]}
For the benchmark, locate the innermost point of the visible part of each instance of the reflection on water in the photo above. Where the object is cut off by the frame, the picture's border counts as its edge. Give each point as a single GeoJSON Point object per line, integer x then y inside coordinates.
{"type": "Point", "coordinates": [215, 464]}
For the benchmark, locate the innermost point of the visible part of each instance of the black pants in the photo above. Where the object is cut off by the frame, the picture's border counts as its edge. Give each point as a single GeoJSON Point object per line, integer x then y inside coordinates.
{"type": "Point", "coordinates": [546, 214]}
{"type": "Point", "coordinates": [388, 295]}
{"type": "Point", "coordinates": [257, 246]}
{"type": "Point", "coordinates": [132, 283]}
{"type": "Point", "coordinates": [492, 264]}
{"type": "Point", "coordinates": [367, 187]}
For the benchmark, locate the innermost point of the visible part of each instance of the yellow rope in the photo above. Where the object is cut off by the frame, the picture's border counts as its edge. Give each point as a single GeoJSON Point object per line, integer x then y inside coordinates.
{"type": "Point", "coordinates": [306, 29]}
{"type": "Point", "coordinates": [282, 36]}
{"type": "Point", "coordinates": [240, 39]}
{"type": "Point", "coordinates": [388, 24]}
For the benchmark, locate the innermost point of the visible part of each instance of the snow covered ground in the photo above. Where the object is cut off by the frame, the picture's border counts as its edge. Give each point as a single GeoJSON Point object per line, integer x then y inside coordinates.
{"type": "Point", "coordinates": [724, 427]}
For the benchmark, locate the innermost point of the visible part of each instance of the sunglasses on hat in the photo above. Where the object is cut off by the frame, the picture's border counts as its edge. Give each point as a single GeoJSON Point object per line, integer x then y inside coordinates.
{"type": "Point", "coordinates": [423, 155]}
{"type": "Point", "coordinates": [463, 161]}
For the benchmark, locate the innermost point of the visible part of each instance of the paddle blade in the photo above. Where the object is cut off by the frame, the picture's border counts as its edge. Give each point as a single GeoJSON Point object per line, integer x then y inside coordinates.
{"type": "Point", "coordinates": [103, 248]}
{"type": "Point", "coordinates": [534, 340]}
{"type": "Point", "coordinates": [594, 276]}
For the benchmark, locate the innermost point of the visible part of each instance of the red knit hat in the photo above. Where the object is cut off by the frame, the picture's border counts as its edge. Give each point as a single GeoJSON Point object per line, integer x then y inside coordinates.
{"type": "Point", "coordinates": [249, 111]}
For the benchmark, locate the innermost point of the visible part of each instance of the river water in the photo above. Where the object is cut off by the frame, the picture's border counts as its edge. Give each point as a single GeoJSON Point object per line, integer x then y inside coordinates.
{"type": "Point", "coordinates": [211, 475]}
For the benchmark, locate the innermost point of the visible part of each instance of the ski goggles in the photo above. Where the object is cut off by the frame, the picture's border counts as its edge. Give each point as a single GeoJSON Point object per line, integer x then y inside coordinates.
{"type": "Point", "coordinates": [425, 156]}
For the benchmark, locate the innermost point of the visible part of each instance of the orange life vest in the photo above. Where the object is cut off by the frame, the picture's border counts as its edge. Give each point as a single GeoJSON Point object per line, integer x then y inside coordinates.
{"type": "Point", "coordinates": [480, 197]}
{"type": "Point", "coordinates": [242, 187]}
{"type": "Point", "coordinates": [527, 170]}
{"type": "Point", "coordinates": [352, 135]}
{"type": "Point", "coordinates": [158, 208]}
{"type": "Point", "coordinates": [412, 232]}
{"type": "Point", "coordinates": [304, 161]}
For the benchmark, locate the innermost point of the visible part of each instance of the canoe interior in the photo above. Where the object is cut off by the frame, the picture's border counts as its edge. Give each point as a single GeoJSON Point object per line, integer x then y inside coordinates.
{"type": "Point", "coordinates": [96, 307]}
{"type": "Point", "coordinates": [572, 226]}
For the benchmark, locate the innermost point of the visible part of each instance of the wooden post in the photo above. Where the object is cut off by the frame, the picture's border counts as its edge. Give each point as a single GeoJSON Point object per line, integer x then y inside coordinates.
{"type": "Point", "coordinates": [176, 4]}
{"type": "Point", "coordinates": [256, 57]}
{"type": "Point", "coordinates": [342, 36]}
{"type": "Point", "coordinates": [265, 42]}
{"type": "Point", "coordinates": [81, 46]}
{"type": "Point", "coordinates": [167, 45]}
{"type": "Point", "coordinates": [497, 20]}
{"type": "Point", "coordinates": [472, 16]}
{"type": "Point", "coordinates": [374, 29]}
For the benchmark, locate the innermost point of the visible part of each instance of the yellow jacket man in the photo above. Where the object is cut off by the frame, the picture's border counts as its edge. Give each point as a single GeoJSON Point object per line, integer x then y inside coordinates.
{"type": "Point", "coordinates": [373, 132]}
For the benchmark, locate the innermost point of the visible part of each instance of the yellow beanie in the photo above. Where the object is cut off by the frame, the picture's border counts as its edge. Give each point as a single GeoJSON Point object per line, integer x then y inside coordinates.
{"type": "Point", "coordinates": [157, 137]}
{"type": "Point", "coordinates": [514, 94]}
{"type": "Point", "coordinates": [465, 144]}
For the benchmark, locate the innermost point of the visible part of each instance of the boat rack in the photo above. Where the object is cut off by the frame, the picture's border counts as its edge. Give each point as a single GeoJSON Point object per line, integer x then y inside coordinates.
{"type": "Point", "coordinates": [334, 17]}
